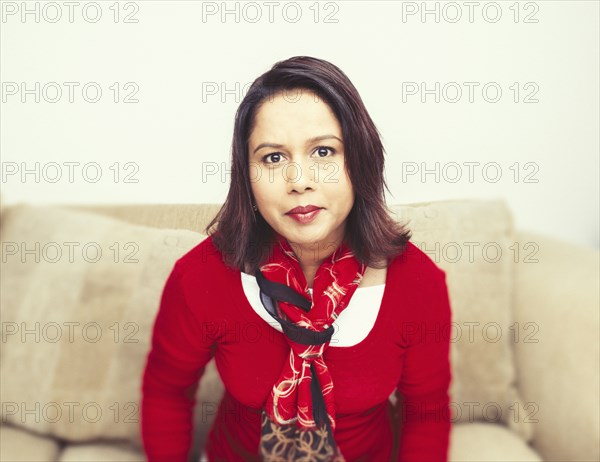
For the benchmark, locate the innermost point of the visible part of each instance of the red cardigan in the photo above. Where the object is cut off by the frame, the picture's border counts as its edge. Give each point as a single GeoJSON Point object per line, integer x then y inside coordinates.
{"type": "Point", "coordinates": [204, 313]}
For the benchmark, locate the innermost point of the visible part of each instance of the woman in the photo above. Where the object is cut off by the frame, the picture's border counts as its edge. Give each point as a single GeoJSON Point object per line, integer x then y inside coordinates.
{"type": "Point", "coordinates": [313, 301]}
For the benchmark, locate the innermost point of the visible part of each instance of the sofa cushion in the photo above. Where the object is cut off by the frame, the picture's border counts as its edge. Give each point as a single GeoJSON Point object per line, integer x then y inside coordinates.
{"type": "Point", "coordinates": [473, 242]}
{"type": "Point", "coordinates": [100, 453]}
{"type": "Point", "coordinates": [18, 444]}
{"type": "Point", "coordinates": [483, 442]}
{"type": "Point", "coordinates": [77, 325]}
{"type": "Point", "coordinates": [561, 294]}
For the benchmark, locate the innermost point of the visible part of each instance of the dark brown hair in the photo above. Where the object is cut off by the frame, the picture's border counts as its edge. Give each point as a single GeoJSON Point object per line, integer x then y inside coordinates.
{"type": "Point", "coordinates": [243, 236]}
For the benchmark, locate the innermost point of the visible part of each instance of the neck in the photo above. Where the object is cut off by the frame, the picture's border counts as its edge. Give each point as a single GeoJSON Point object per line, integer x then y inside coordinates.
{"type": "Point", "coordinates": [311, 256]}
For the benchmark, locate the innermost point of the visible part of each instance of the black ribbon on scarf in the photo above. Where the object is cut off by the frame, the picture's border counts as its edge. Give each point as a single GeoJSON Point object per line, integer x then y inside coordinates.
{"type": "Point", "coordinates": [271, 291]}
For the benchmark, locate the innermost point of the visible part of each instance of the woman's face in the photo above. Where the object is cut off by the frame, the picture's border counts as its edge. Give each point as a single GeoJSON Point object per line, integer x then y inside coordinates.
{"type": "Point", "coordinates": [296, 158]}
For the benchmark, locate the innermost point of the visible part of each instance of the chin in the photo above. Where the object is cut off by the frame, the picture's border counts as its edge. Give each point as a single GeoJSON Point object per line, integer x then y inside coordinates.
{"type": "Point", "coordinates": [310, 238]}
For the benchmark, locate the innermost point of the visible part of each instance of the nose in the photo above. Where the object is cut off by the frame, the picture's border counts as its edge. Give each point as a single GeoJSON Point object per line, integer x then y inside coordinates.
{"type": "Point", "coordinates": [300, 175]}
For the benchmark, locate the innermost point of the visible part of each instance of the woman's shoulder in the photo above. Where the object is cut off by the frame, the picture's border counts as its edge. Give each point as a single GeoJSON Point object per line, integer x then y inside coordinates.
{"type": "Point", "coordinates": [417, 263]}
{"type": "Point", "coordinates": [422, 284]}
{"type": "Point", "coordinates": [203, 260]}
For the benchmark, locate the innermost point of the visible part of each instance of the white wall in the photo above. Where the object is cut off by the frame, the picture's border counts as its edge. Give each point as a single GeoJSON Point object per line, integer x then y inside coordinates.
{"type": "Point", "coordinates": [176, 50]}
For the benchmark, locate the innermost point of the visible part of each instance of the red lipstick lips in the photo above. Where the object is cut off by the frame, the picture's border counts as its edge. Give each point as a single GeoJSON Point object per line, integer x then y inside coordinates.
{"type": "Point", "coordinates": [301, 209]}
{"type": "Point", "coordinates": [304, 214]}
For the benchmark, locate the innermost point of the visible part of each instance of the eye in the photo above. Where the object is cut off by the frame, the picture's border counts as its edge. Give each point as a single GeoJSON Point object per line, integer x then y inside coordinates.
{"type": "Point", "coordinates": [265, 157]}
{"type": "Point", "coordinates": [323, 150]}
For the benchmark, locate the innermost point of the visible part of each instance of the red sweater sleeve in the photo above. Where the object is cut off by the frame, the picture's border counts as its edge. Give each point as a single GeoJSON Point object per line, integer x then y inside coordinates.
{"type": "Point", "coordinates": [424, 417]}
{"type": "Point", "coordinates": [176, 361]}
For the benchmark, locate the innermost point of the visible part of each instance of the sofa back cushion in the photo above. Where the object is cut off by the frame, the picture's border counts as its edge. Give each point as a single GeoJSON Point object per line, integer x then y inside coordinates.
{"type": "Point", "coordinates": [473, 242]}
{"type": "Point", "coordinates": [79, 294]}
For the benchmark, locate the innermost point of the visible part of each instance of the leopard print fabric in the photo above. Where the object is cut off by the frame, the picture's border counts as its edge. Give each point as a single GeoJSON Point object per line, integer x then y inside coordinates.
{"type": "Point", "coordinates": [285, 443]}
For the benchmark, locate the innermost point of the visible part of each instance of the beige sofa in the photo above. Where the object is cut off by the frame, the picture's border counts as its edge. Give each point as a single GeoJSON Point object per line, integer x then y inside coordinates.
{"type": "Point", "coordinates": [525, 349]}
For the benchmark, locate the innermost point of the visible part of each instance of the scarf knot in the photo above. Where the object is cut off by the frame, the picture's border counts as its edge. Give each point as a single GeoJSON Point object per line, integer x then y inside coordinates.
{"type": "Point", "coordinates": [311, 356]}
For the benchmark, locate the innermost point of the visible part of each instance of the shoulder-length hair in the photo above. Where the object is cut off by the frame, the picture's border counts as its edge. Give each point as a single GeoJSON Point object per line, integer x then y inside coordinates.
{"type": "Point", "coordinates": [243, 237]}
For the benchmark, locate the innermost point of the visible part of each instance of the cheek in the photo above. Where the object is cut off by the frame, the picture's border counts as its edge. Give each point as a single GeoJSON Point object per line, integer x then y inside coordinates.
{"type": "Point", "coordinates": [260, 183]}
{"type": "Point", "coordinates": [265, 195]}
{"type": "Point", "coordinates": [348, 183]}
{"type": "Point", "coordinates": [349, 192]}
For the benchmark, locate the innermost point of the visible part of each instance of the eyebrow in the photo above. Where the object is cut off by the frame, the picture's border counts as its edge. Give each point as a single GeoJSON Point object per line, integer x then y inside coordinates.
{"type": "Point", "coordinates": [309, 141]}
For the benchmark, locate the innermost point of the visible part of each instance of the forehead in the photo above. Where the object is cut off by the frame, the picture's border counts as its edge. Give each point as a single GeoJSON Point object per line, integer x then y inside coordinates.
{"type": "Point", "coordinates": [293, 117]}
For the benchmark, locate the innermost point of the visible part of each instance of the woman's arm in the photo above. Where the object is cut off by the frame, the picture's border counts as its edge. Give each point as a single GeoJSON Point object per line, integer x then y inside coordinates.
{"type": "Point", "coordinates": [179, 353]}
{"type": "Point", "coordinates": [424, 414]}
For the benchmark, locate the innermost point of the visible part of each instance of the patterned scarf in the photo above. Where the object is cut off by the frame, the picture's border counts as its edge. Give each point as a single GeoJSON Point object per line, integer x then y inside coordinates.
{"type": "Point", "coordinates": [299, 417]}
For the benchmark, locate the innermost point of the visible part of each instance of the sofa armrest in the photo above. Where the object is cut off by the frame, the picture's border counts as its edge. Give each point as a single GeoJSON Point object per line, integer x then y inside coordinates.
{"type": "Point", "coordinates": [557, 353]}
